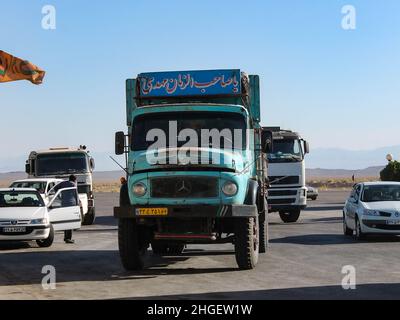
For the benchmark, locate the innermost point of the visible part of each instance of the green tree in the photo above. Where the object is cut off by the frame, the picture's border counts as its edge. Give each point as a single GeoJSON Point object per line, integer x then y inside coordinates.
{"type": "Point", "coordinates": [391, 172]}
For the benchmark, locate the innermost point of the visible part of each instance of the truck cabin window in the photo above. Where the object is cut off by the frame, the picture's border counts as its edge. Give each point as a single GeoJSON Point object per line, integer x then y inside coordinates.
{"type": "Point", "coordinates": [286, 150]}
{"type": "Point", "coordinates": [231, 128]}
{"type": "Point", "coordinates": [20, 199]}
{"type": "Point", "coordinates": [63, 163]}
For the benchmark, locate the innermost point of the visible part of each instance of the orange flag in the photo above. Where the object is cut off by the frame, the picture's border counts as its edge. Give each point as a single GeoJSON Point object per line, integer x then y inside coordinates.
{"type": "Point", "coordinates": [13, 68]}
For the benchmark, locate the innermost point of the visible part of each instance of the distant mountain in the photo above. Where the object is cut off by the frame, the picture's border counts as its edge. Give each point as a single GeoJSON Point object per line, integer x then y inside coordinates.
{"type": "Point", "coordinates": [327, 158]}
{"type": "Point", "coordinates": [349, 159]}
{"type": "Point", "coordinates": [102, 161]}
{"type": "Point", "coordinates": [98, 176]}
{"type": "Point", "coordinates": [342, 173]}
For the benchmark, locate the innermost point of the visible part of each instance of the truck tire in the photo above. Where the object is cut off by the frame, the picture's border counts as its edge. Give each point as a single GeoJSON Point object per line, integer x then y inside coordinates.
{"type": "Point", "coordinates": [176, 249]}
{"type": "Point", "coordinates": [45, 243]}
{"type": "Point", "coordinates": [159, 248]}
{"type": "Point", "coordinates": [246, 242]}
{"type": "Point", "coordinates": [290, 216]}
{"type": "Point", "coordinates": [263, 225]}
{"type": "Point", "coordinates": [164, 249]}
{"type": "Point", "coordinates": [128, 244]}
{"type": "Point", "coordinates": [89, 217]}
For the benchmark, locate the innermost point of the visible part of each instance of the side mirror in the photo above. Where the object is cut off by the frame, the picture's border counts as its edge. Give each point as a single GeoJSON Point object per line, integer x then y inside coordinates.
{"type": "Point", "coordinates": [266, 141]}
{"type": "Point", "coordinates": [306, 147]}
{"type": "Point", "coordinates": [92, 164]}
{"type": "Point", "coordinates": [28, 168]}
{"type": "Point", "coordinates": [119, 143]}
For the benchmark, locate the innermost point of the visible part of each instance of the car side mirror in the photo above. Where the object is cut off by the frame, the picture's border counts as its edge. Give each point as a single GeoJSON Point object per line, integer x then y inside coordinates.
{"type": "Point", "coordinates": [119, 143]}
{"type": "Point", "coordinates": [266, 141]}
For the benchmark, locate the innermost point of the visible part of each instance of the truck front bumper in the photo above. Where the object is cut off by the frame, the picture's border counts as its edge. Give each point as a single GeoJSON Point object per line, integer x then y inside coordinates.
{"type": "Point", "coordinates": [192, 211]}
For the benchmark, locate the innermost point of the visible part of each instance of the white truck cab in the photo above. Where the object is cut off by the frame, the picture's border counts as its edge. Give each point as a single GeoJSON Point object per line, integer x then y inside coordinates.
{"type": "Point", "coordinates": [59, 163]}
{"type": "Point", "coordinates": [286, 172]}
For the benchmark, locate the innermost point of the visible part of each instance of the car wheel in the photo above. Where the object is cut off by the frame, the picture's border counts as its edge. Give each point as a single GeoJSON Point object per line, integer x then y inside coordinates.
{"type": "Point", "coordinates": [346, 230]}
{"type": "Point", "coordinates": [45, 243]}
{"type": "Point", "coordinates": [359, 234]}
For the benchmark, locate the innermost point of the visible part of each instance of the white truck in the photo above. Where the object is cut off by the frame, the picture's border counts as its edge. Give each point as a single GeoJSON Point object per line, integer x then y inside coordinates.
{"type": "Point", "coordinates": [60, 163]}
{"type": "Point", "coordinates": [286, 172]}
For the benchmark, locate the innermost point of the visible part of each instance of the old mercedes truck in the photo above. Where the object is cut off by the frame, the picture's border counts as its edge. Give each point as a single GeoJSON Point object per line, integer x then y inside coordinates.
{"type": "Point", "coordinates": [196, 165]}
{"type": "Point", "coordinates": [60, 163]}
{"type": "Point", "coordinates": [288, 192]}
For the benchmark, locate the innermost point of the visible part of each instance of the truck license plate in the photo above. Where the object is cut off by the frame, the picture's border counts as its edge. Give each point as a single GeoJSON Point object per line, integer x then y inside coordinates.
{"type": "Point", "coordinates": [152, 211]}
{"type": "Point", "coordinates": [14, 229]}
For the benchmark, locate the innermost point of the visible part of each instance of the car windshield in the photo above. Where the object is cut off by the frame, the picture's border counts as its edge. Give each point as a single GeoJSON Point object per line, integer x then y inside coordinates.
{"type": "Point", "coordinates": [381, 193]}
{"type": "Point", "coordinates": [230, 126]}
{"type": "Point", "coordinates": [286, 150]}
{"type": "Point", "coordinates": [20, 199]}
{"type": "Point", "coordinates": [39, 186]}
{"type": "Point", "coordinates": [61, 163]}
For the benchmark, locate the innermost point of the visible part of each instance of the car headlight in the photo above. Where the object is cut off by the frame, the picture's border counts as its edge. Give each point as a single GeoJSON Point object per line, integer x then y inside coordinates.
{"type": "Point", "coordinates": [39, 221]}
{"type": "Point", "coordinates": [230, 188]}
{"type": "Point", "coordinates": [374, 213]}
{"type": "Point", "coordinates": [139, 189]}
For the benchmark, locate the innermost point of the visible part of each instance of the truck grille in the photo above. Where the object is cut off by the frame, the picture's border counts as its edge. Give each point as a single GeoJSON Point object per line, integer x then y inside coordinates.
{"type": "Point", "coordinates": [280, 193]}
{"type": "Point", "coordinates": [281, 201]}
{"type": "Point", "coordinates": [184, 187]}
{"type": "Point", "coordinates": [284, 180]}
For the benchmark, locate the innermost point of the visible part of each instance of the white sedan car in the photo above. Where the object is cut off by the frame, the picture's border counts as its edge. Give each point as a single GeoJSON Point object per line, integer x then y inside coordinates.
{"type": "Point", "coordinates": [372, 208]}
{"type": "Point", "coordinates": [45, 186]}
{"type": "Point", "coordinates": [25, 217]}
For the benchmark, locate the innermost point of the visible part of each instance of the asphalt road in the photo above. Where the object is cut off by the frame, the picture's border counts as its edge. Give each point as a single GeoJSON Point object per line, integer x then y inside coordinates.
{"type": "Point", "coordinates": [305, 261]}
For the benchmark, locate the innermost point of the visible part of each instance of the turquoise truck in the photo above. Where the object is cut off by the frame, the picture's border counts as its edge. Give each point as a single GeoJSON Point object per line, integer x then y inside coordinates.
{"type": "Point", "coordinates": [196, 163]}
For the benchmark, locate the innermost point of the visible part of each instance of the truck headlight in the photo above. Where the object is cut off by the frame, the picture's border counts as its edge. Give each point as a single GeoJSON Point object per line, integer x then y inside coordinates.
{"type": "Point", "coordinates": [371, 213]}
{"type": "Point", "coordinates": [139, 189]}
{"type": "Point", "coordinates": [230, 188]}
{"type": "Point", "coordinates": [39, 221]}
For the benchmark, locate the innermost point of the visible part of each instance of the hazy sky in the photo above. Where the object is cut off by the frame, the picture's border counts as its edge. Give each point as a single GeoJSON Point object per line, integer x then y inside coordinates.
{"type": "Point", "coordinates": [339, 88]}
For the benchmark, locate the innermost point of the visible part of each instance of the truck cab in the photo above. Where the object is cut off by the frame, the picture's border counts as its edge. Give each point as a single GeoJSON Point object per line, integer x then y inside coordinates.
{"type": "Point", "coordinates": [196, 165]}
{"type": "Point", "coordinates": [288, 192]}
{"type": "Point", "coordinates": [60, 163]}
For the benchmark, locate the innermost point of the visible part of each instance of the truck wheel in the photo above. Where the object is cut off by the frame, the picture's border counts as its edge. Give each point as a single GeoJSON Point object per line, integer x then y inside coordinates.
{"type": "Point", "coordinates": [263, 235]}
{"type": "Point", "coordinates": [128, 243]}
{"type": "Point", "coordinates": [246, 242]}
{"type": "Point", "coordinates": [45, 243]}
{"type": "Point", "coordinates": [90, 217]}
{"type": "Point", "coordinates": [290, 216]}
{"type": "Point", "coordinates": [176, 249]}
{"type": "Point", "coordinates": [159, 248]}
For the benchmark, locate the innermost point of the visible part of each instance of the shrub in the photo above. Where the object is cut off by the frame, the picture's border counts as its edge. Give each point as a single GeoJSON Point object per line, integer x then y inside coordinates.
{"type": "Point", "coordinates": [391, 172]}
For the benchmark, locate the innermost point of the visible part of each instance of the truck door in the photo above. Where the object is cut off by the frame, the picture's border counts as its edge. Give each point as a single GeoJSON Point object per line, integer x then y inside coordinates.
{"type": "Point", "coordinates": [64, 210]}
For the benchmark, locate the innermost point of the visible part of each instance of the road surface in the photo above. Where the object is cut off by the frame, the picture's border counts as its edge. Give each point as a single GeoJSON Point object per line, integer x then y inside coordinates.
{"type": "Point", "coordinates": [305, 261]}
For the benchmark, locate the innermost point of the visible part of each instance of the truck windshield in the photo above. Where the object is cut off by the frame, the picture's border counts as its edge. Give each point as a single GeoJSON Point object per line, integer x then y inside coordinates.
{"type": "Point", "coordinates": [231, 128]}
{"type": "Point", "coordinates": [61, 163]}
{"type": "Point", "coordinates": [286, 150]}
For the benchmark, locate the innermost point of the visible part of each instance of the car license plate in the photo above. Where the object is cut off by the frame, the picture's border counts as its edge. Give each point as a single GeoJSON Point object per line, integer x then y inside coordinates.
{"type": "Point", "coordinates": [14, 229]}
{"type": "Point", "coordinates": [152, 211]}
{"type": "Point", "coordinates": [393, 222]}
